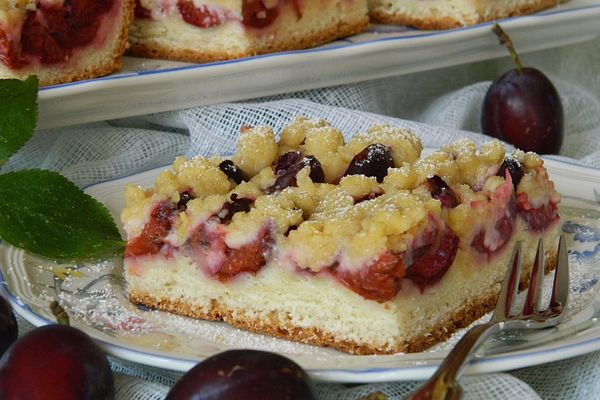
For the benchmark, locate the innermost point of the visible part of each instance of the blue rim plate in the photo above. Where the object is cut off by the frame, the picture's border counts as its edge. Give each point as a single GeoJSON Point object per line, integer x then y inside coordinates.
{"type": "Point", "coordinates": [145, 86]}
{"type": "Point", "coordinates": [94, 296]}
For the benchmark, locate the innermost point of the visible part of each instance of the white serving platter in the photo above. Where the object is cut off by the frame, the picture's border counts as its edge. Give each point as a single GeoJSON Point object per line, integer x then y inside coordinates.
{"type": "Point", "coordinates": [147, 86]}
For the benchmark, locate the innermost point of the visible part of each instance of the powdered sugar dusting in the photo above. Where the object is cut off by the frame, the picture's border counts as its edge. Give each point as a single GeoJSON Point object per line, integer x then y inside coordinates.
{"type": "Point", "coordinates": [102, 303]}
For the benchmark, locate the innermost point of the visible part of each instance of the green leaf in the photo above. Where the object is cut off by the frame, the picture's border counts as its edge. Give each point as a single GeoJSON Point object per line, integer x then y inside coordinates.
{"type": "Point", "coordinates": [18, 114]}
{"type": "Point", "coordinates": [43, 212]}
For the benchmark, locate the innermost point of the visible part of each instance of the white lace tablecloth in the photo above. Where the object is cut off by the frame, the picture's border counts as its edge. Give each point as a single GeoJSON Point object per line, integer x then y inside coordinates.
{"type": "Point", "coordinates": [447, 103]}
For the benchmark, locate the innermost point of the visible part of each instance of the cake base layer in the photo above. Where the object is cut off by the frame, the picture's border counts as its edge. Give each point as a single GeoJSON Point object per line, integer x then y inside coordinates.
{"type": "Point", "coordinates": [174, 39]}
{"type": "Point", "coordinates": [282, 303]}
{"type": "Point", "coordinates": [90, 61]}
{"type": "Point", "coordinates": [443, 14]}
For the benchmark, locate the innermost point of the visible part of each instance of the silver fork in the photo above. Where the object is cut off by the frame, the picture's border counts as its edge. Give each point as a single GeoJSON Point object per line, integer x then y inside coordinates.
{"type": "Point", "coordinates": [443, 385]}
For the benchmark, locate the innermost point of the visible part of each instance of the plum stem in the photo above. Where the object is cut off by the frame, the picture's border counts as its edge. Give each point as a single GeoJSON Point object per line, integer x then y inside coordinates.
{"type": "Point", "coordinates": [506, 41]}
{"type": "Point", "coordinates": [62, 318]}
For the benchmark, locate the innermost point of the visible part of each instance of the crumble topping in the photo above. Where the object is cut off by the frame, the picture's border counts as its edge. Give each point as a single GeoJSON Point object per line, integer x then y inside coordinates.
{"type": "Point", "coordinates": [139, 204]}
{"type": "Point", "coordinates": [341, 220]}
{"type": "Point", "coordinates": [256, 150]}
{"type": "Point", "coordinates": [317, 138]}
{"type": "Point", "coordinates": [357, 234]}
{"type": "Point", "coordinates": [201, 175]}
{"type": "Point", "coordinates": [405, 145]}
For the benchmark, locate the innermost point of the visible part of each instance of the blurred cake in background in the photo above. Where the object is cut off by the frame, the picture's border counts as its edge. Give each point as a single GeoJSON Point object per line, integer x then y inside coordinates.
{"type": "Point", "coordinates": [212, 30]}
{"type": "Point", "coordinates": [445, 14]}
{"type": "Point", "coordinates": [62, 40]}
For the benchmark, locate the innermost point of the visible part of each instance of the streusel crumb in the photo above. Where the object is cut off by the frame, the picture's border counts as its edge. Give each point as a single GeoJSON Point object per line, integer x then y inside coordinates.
{"type": "Point", "coordinates": [339, 218]}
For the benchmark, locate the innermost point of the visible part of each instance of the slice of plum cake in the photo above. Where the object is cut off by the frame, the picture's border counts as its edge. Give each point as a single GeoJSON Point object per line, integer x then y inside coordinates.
{"type": "Point", "coordinates": [447, 14]}
{"type": "Point", "coordinates": [364, 246]}
{"type": "Point", "coordinates": [62, 40]}
{"type": "Point", "coordinates": [212, 30]}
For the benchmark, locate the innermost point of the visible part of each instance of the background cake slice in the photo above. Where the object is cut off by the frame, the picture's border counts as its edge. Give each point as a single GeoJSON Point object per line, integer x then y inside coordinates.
{"type": "Point", "coordinates": [62, 41]}
{"type": "Point", "coordinates": [211, 30]}
{"type": "Point", "coordinates": [363, 246]}
{"type": "Point", "coordinates": [445, 14]}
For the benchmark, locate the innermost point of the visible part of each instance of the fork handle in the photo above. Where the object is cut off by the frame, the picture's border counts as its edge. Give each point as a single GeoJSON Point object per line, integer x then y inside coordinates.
{"type": "Point", "coordinates": [443, 385]}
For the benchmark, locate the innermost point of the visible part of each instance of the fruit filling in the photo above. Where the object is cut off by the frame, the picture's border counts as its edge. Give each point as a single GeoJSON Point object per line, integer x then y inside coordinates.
{"type": "Point", "coordinates": [494, 236]}
{"type": "Point", "coordinates": [257, 14]}
{"type": "Point", "coordinates": [212, 255]}
{"type": "Point", "coordinates": [537, 219]}
{"type": "Point", "coordinates": [50, 32]}
{"type": "Point", "coordinates": [380, 281]}
{"type": "Point", "coordinates": [288, 166]}
{"type": "Point", "coordinates": [425, 264]}
{"type": "Point", "coordinates": [374, 160]}
{"type": "Point", "coordinates": [203, 16]}
{"type": "Point", "coordinates": [369, 214]}
{"type": "Point", "coordinates": [442, 192]}
{"type": "Point", "coordinates": [432, 261]}
{"type": "Point", "coordinates": [152, 238]}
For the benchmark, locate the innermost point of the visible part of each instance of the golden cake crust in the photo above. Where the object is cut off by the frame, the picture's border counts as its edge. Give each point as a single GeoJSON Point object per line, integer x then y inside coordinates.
{"type": "Point", "coordinates": [274, 326]}
{"type": "Point", "coordinates": [315, 336]}
{"type": "Point", "coordinates": [157, 50]}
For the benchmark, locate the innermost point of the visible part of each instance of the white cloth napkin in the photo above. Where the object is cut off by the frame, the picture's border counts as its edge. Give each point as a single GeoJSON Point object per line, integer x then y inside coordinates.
{"type": "Point", "coordinates": [447, 104]}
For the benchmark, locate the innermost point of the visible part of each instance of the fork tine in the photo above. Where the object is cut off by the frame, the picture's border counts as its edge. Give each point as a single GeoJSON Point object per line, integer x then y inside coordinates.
{"type": "Point", "coordinates": [534, 293]}
{"type": "Point", "coordinates": [510, 287]}
{"type": "Point", "coordinates": [444, 383]}
{"type": "Point", "coordinates": [560, 288]}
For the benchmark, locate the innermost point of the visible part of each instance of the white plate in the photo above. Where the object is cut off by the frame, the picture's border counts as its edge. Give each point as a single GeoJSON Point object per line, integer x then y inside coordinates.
{"type": "Point", "coordinates": [95, 298]}
{"type": "Point", "coordinates": [145, 86]}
